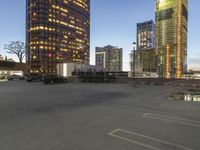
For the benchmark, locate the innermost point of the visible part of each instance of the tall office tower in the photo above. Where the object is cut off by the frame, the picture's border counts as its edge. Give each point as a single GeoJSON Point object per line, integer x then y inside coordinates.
{"type": "Point", "coordinates": [171, 37]}
{"type": "Point", "coordinates": [146, 35]}
{"type": "Point", "coordinates": [144, 57]}
{"type": "Point", "coordinates": [109, 58]}
{"type": "Point", "coordinates": [57, 31]}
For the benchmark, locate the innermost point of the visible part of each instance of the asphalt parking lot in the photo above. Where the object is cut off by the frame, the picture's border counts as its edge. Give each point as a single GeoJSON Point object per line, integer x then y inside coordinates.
{"type": "Point", "coordinates": [34, 116]}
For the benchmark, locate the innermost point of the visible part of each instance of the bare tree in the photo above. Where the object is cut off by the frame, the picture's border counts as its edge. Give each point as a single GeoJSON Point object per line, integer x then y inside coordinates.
{"type": "Point", "coordinates": [16, 47]}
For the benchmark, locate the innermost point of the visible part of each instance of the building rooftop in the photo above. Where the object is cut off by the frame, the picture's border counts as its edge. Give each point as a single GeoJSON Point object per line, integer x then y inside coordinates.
{"type": "Point", "coordinates": [108, 47]}
{"type": "Point", "coordinates": [95, 116]}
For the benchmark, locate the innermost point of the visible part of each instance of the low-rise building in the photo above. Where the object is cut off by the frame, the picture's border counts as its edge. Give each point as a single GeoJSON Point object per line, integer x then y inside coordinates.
{"type": "Point", "coordinates": [11, 68]}
{"type": "Point", "coordinates": [191, 75]}
{"type": "Point", "coordinates": [68, 69]}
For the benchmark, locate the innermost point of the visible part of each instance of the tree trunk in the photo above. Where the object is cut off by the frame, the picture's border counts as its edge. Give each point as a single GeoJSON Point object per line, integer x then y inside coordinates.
{"type": "Point", "coordinates": [20, 60]}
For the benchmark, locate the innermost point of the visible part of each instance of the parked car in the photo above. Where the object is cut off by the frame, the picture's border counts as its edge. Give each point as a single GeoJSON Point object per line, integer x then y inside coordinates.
{"type": "Point", "coordinates": [2, 77]}
{"type": "Point", "coordinates": [52, 79]}
{"type": "Point", "coordinates": [34, 77]}
{"type": "Point", "coordinates": [15, 77]}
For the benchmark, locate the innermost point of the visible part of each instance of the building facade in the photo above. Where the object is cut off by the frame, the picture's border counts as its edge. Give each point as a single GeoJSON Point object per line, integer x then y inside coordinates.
{"type": "Point", "coordinates": [57, 31]}
{"type": "Point", "coordinates": [143, 59]}
{"type": "Point", "coordinates": [109, 58]}
{"type": "Point", "coordinates": [73, 69]}
{"type": "Point", "coordinates": [146, 35]}
{"type": "Point", "coordinates": [146, 60]}
{"type": "Point", "coordinates": [143, 63]}
{"type": "Point", "coordinates": [171, 37]}
{"type": "Point", "coordinates": [11, 68]}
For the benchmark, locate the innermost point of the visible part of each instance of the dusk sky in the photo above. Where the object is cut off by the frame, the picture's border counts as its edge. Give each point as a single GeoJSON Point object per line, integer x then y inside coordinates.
{"type": "Point", "coordinates": [112, 22]}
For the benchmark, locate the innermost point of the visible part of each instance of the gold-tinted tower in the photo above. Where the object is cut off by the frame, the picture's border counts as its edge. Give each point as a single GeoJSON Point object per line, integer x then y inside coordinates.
{"type": "Point", "coordinates": [171, 37]}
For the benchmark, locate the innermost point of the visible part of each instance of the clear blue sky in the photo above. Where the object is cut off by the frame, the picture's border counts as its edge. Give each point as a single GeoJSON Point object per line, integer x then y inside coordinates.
{"type": "Point", "coordinates": [112, 22]}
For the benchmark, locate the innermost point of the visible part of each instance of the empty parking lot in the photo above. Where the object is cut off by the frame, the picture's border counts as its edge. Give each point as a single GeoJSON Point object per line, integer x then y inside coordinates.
{"type": "Point", "coordinates": [95, 116]}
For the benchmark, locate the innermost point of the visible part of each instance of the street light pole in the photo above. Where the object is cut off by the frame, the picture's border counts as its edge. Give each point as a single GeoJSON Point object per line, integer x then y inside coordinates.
{"type": "Point", "coordinates": [134, 57]}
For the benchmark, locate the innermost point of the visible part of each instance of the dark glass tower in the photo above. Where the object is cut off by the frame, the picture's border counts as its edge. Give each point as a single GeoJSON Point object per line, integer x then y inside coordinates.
{"type": "Point", "coordinates": [57, 31]}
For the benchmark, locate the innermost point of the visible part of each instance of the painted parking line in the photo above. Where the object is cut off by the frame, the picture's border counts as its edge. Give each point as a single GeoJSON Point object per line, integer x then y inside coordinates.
{"type": "Point", "coordinates": [145, 141]}
{"type": "Point", "coordinates": [173, 119]}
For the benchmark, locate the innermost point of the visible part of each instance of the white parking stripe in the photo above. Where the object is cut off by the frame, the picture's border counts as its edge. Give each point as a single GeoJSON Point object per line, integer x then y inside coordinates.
{"type": "Point", "coordinates": [173, 119]}
{"type": "Point", "coordinates": [115, 133]}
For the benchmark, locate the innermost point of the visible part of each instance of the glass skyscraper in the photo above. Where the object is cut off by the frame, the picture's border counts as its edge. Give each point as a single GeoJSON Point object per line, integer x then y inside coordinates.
{"type": "Point", "coordinates": [146, 35]}
{"type": "Point", "coordinates": [171, 37]}
{"type": "Point", "coordinates": [58, 31]}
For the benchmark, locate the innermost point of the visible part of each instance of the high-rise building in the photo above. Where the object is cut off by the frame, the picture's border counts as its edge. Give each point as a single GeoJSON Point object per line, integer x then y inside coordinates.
{"type": "Point", "coordinates": [171, 37]}
{"type": "Point", "coordinates": [143, 63]}
{"type": "Point", "coordinates": [143, 59]}
{"type": "Point", "coordinates": [109, 58]}
{"type": "Point", "coordinates": [146, 35]}
{"type": "Point", "coordinates": [57, 31]}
